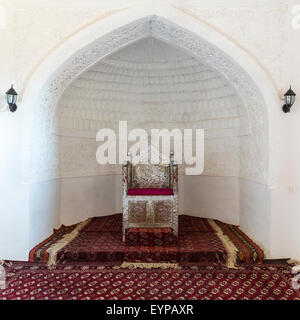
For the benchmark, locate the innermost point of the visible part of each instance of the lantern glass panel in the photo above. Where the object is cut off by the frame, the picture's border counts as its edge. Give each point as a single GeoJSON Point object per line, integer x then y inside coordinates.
{"type": "Point", "coordinates": [289, 99]}
{"type": "Point", "coordinates": [11, 99]}
{"type": "Point", "coordinates": [292, 99]}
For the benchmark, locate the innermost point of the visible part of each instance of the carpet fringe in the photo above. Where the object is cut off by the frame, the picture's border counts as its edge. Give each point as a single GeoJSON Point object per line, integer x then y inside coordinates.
{"type": "Point", "coordinates": [228, 244]}
{"type": "Point", "coordinates": [145, 265]}
{"type": "Point", "coordinates": [260, 244]}
{"type": "Point", "coordinates": [53, 250]}
{"type": "Point", "coordinates": [294, 261]}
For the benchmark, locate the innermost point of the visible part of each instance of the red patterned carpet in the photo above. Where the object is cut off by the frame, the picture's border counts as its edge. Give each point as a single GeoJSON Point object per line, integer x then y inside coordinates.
{"type": "Point", "coordinates": [27, 281]}
{"type": "Point", "coordinates": [100, 239]}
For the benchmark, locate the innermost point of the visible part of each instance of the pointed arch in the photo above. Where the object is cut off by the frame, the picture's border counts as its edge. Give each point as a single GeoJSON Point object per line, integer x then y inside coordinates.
{"type": "Point", "coordinates": [173, 26]}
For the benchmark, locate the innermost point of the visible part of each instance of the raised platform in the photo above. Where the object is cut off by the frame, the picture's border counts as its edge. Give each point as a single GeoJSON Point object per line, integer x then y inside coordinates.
{"type": "Point", "coordinates": [100, 240]}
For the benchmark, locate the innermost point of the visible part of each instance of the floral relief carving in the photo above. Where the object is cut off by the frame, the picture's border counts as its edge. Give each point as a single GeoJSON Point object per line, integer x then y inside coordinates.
{"type": "Point", "coordinates": [151, 84]}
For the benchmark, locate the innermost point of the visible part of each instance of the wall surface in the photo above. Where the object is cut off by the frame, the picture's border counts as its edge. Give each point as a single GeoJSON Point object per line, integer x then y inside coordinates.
{"type": "Point", "coordinates": [261, 29]}
{"type": "Point", "coordinates": [45, 197]}
{"type": "Point", "coordinates": [86, 197]}
{"type": "Point", "coordinates": [254, 211]}
{"type": "Point", "coordinates": [212, 197]}
{"type": "Point", "coordinates": [14, 199]}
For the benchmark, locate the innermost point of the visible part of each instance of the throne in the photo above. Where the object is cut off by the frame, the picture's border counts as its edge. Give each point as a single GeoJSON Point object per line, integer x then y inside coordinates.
{"type": "Point", "coordinates": [150, 195]}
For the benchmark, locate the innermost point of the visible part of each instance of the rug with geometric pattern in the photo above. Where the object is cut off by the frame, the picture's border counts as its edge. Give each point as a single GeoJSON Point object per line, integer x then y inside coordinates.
{"type": "Point", "coordinates": [99, 239]}
{"type": "Point", "coordinates": [99, 281]}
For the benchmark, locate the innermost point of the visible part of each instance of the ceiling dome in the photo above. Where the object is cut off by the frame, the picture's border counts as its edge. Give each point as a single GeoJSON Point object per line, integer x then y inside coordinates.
{"type": "Point", "coordinates": [152, 84]}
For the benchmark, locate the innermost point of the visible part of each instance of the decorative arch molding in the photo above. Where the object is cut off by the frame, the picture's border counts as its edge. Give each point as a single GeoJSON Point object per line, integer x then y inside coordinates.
{"type": "Point", "coordinates": [258, 152]}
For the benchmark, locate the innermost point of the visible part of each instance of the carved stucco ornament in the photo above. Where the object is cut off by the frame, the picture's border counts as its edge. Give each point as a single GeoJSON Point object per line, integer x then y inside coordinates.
{"type": "Point", "coordinates": [253, 149]}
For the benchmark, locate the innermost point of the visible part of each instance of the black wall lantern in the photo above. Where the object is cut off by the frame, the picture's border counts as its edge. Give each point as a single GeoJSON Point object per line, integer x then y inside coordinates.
{"type": "Point", "coordinates": [289, 99]}
{"type": "Point", "coordinates": [11, 97]}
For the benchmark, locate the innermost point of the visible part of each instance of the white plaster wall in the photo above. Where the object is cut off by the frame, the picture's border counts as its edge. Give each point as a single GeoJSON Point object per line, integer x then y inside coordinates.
{"type": "Point", "coordinates": [263, 28]}
{"type": "Point", "coordinates": [212, 197]}
{"type": "Point", "coordinates": [14, 230]}
{"type": "Point", "coordinates": [44, 210]}
{"type": "Point", "coordinates": [254, 211]}
{"type": "Point", "coordinates": [86, 197]}
{"type": "Point", "coordinates": [290, 196]}
{"type": "Point", "coordinates": [6, 52]}
{"type": "Point", "coordinates": [14, 242]}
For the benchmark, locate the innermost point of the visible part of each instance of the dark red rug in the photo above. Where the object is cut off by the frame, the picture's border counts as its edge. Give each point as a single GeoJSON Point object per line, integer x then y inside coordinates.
{"type": "Point", "coordinates": [201, 247]}
{"type": "Point", "coordinates": [111, 223]}
{"type": "Point", "coordinates": [194, 224]}
{"type": "Point", "coordinates": [100, 239]}
{"type": "Point", "coordinates": [29, 281]}
{"type": "Point", "coordinates": [150, 237]}
{"type": "Point", "coordinates": [93, 246]}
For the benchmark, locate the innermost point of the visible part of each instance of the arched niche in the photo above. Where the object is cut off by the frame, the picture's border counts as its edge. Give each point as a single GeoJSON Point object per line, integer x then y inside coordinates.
{"type": "Point", "coordinates": [259, 156]}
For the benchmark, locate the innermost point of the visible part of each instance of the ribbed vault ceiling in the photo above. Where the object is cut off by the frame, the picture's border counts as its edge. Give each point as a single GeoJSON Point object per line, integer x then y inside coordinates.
{"type": "Point", "coordinates": [152, 85]}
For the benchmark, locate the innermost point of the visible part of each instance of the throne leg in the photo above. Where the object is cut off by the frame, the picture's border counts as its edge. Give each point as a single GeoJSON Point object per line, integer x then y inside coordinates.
{"type": "Point", "coordinates": [175, 218]}
{"type": "Point", "coordinates": [125, 219]}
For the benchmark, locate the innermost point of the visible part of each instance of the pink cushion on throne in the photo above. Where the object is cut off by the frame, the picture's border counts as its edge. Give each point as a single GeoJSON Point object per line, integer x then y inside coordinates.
{"type": "Point", "coordinates": [150, 192]}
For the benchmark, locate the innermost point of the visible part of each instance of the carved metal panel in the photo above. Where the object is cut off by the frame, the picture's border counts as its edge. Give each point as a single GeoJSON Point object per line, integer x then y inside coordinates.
{"type": "Point", "coordinates": [137, 212]}
{"type": "Point", "coordinates": [163, 212]}
{"type": "Point", "coordinates": [150, 176]}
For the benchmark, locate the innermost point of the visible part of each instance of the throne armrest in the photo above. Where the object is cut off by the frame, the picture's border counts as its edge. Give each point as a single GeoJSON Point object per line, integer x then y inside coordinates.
{"type": "Point", "coordinates": [127, 175]}
{"type": "Point", "coordinates": [174, 177]}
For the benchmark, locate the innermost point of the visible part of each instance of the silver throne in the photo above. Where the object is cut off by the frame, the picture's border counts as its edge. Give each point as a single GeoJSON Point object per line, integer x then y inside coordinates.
{"type": "Point", "coordinates": [150, 195]}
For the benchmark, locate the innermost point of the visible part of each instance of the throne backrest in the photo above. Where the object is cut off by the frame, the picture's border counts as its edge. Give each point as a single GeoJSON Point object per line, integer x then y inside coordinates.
{"type": "Point", "coordinates": [150, 176]}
